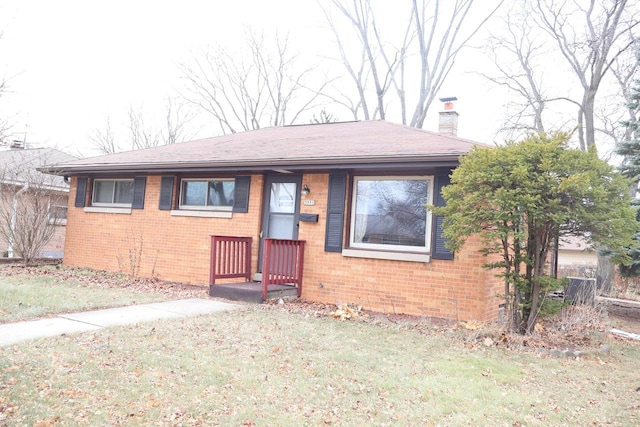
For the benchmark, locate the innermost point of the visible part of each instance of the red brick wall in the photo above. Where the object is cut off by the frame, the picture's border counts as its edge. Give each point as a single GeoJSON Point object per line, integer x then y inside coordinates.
{"type": "Point", "coordinates": [168, 247]}
{"type": "Point", "coordinates": [459, 289]}
{"type": "Point", "coordinates": [177, 248]}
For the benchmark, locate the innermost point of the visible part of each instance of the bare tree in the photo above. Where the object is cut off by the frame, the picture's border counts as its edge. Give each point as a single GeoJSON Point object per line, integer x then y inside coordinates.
{"type": "Point", "coordinates": [521, 53]}
{"type": "Point", "coordinates": [362, 18]}
{"type": "Point", "coordinates": [323, 117]}
{"type": "Point", "coordinates": [609, 27]}
{"type": "Point", "coordinates": [104, 140]}
{"type": "Point", "coordinates": [517, 55]}
{"type": "Point", "coordinates": [260, 86]}
{"type": "Point", "coordinates": [177, 122]}
{"type": "Point", "coordinates": [435, 32]}
{"type": "Point", "coordinates": [171, 129]}
{"type": "Point", "coordinates": [613, 111]}
{"type": "Point", "coordinates": [625, 70]}
{"type": "Point", "coordinates": [31, 203]}
{"type": "Point", "coordinates": [591, 36]}
{"type": "Point", "coordinates": [142, 136]}
{"type": "Point", "coordinates": [5, 126]}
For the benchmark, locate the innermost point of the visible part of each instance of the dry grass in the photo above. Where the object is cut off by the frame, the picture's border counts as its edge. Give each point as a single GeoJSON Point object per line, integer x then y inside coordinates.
{"type": "Point", "coordinates": [34, 292]}
{"type": "Point", "coordinates": [578, 318]}
{"type": "Point", "coordinates": [298, 364]}
{"type": "Point", "coordinates": [626, 288]}
{"type": "Point", "coordinates": [267, 365]}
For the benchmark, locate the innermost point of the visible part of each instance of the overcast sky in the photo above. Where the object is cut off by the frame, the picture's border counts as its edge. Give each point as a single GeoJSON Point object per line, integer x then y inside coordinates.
{"type": "Point", "coordinates": [72, 63]}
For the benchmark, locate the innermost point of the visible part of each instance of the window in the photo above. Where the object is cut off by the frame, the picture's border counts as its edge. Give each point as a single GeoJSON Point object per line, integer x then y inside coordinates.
{"type": "Point", "coordinates": [390, 213]}
{"type": "Point", "coordinates": [57, 212]}
{"type": "Point", "coordinates": [207, 194]}
{"type": "Point", "coordinates": [112, 192]}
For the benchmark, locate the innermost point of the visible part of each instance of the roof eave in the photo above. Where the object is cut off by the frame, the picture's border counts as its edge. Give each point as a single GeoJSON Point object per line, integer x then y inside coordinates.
{"type": "Point", "coordinates": [298, 165]}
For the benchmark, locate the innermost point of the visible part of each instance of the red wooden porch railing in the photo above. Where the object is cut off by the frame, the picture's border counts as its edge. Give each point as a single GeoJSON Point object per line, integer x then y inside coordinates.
{"type": "Point", "coordinates": [230, 258]}
{"type": "Point", "coordinates": [282, 263]}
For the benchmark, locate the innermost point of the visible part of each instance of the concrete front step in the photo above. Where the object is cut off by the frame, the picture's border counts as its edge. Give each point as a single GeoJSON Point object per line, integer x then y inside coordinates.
{"type": "Point", "coordinates": [251, 291]}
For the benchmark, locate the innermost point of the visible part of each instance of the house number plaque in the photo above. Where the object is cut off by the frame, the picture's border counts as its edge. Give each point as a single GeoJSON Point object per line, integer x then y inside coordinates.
{"type": "Point", "coordinates": [309, 202]}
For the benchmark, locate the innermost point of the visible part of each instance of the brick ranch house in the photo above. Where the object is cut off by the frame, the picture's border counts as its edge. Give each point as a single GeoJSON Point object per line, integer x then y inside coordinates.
{"type": "Point", "coordinates": [353, 191]}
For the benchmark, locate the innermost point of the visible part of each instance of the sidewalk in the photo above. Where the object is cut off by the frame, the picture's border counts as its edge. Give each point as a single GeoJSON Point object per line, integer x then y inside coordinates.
{"type": "Point", "coordinates": [11, 333]}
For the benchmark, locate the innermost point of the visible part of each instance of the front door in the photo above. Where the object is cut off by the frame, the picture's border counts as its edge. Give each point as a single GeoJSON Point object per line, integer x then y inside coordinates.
{"type": "Point", "coordinates": [281, 209]}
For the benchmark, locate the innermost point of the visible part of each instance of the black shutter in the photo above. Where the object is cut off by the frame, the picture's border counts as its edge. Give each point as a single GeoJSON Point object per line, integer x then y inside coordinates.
{"type": "Point", "coordinates": [241, 194]}
{"type": "Point", "coordinates": [335, 212]}
{"type": "Point", "coordinates": [139, 185]}
{"type": "Point", "coordinates": [166, 193]}
{"type": "Point", "coordinates": [81, 192]}
{"type": "Point", "coordinates": [440, 251]}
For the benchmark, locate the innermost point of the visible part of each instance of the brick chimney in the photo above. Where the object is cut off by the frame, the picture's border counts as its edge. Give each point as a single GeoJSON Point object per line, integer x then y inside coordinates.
{"type": "Point", "coordinates": [448, 123]}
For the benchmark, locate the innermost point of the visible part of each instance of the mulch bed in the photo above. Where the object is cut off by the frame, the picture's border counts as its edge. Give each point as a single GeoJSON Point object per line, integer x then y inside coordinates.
{"type": "Point", "coordinates": [552, 335]}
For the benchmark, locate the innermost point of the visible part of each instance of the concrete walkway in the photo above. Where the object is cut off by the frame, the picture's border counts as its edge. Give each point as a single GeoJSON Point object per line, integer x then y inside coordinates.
{"type": "Point", "coordinates": [11, 333]}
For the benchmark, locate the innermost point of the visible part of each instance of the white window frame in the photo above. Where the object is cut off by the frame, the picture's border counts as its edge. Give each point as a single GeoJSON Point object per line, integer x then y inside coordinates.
{"type": "Point", "coordinates": [182, 206]}
{"type": "Point", "coordinates": [426, 249]}
{"type": "Point", "coordinates": [113, 204]}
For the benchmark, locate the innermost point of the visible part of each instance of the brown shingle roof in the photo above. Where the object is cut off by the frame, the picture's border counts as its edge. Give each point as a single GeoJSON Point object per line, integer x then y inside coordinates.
{"type": "Point", "coordinates": [303, 146]}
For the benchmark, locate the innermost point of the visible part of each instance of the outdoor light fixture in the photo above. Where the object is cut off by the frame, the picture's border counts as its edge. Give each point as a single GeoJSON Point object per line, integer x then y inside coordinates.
{"type": "Point", "coordinates": [305, 190]}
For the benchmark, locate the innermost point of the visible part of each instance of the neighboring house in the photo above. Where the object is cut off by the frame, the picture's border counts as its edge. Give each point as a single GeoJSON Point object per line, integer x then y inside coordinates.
{"type": "Point", "coordinates": [19, 175]}
{"type": "Point", "coordinates": [355, 192]}
{"type": "Point", "coordinates": [575, 258]}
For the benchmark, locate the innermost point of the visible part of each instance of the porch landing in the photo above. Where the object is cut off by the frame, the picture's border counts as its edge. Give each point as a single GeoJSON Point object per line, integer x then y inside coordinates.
{"type": "Point", "coordinates": [251, 291]}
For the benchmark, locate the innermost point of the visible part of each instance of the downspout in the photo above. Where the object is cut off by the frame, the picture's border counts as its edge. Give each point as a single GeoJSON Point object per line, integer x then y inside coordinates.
{"type": "Point", "coordinates": [14, 213]}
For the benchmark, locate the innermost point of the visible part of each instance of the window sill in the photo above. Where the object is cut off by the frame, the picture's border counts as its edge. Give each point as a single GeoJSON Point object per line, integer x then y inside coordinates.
{"type": "Point", "coordinates": [203, 214]}
{"type": "Point", "coordinates": [95, 209]}
{"type": "Point", "coordinates": [394, 256]}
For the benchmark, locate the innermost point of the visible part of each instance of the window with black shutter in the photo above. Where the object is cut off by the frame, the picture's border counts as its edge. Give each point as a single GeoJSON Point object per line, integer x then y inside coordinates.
{"type": "Point", "coordinates": [335, 212]}
{"type": "Point", "coordinates": [116, 192]}
{"type": "Point", "coordinates": [81, 192]}
{"type": "Point", "coordinates": [440, 251]}
{"type": "Point", "coordinates": [241, 197]}
{"type": "Point", "coordinates": [139, 185]}
{"type": "Point", "coordinates": [166, 193]}
{"type": "Point", "coordinates": [215, 195]}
